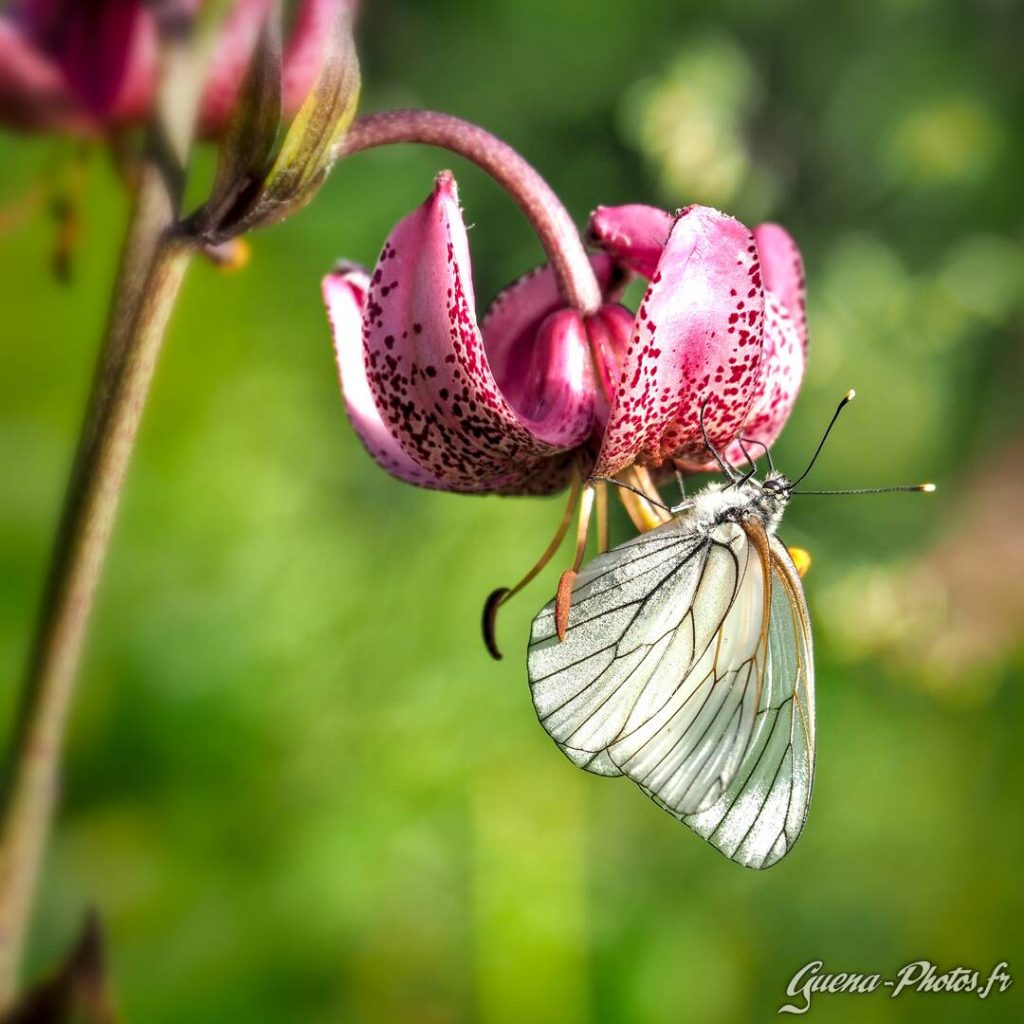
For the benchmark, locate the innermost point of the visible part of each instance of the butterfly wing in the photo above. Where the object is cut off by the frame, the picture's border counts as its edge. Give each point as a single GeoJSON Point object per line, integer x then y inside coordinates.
{"type": "Point", "coordinates": [688, 666]}
{"type": "Point", "coordinates": [758, 818]}
{"type": "Point", "coordinates": [659, 675]}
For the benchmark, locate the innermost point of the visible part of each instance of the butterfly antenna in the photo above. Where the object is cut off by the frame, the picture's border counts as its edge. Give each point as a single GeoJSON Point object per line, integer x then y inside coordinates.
{"type": "Point", "coordinates": [725, 467]}
{"type": "Point", "coordinates": [635, 490]}
{"type": "Point", "coordinates": [904, 489]}
{"type": "Point", "coordinates": [847, 398]}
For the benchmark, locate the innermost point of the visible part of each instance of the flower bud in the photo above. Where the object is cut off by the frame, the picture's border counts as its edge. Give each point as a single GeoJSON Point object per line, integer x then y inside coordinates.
{"type": "Point", "coordinates": [255, 186]}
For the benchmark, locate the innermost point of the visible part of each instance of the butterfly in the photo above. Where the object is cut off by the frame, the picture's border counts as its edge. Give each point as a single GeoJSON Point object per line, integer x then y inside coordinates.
{"type": "Point", "coordinates": [687, 665]}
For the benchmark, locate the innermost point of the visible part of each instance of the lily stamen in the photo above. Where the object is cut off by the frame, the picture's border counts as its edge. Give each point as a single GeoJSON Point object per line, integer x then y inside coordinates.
{"type": "Point", "coordinates": [647, 485]}
{"type": "Point", "coordinates": [563, 598]}
{"type": "Point", "coordinates": [502, 594]}
{"type": "Point", "coordinates": [601, 507]}
{"type": "Point", "coordinates": [638, 501]}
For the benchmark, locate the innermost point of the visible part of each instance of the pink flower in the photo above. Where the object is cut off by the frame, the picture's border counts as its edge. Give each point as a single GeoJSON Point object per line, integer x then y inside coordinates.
{"type": "Point", "coordinates": [722, 326]}
{"type": "Point", "coordinates": [508, 406]}
{"type": "Point", "coordinates": [538, 392]}
{"type": "Point", "coordinates": [87, 66]}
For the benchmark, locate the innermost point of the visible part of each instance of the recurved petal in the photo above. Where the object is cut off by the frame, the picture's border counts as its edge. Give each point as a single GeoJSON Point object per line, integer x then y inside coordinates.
{"type": "Point", "coordinates": [554, 394]}
{"type": "Point", "coordinates": [33, 92]}
{"type": "Point", "coordinates": [555, 398]}
{"type": "Point", "coordinates": [696, 345]}
{"type": "Point", "coordinates": [783, 271]}
{"type": "Point", "coordinates": [547, 477]}
{"type": "Point", "coordinates": [512, 320]}
{"type": "Point", "coordinates": [633, 235]}
{"type": "Point", "coordinates": [107, 52]}
{"type": "Point", "coordinates": [345, 292]}
{"type": "Point", "coordinates": [429, 372]}
{"type": "Point", "coordinates": [782, 370]}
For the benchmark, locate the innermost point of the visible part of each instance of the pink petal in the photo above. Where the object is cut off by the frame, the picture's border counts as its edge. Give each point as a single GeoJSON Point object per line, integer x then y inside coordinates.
{"type": "Point", "coordinates": [137, 89]}
{"type": "Point", "coordinates": [783, 272]}
{"type": "Point", "coordinates": [782, 370]}
{"type": "Point", "coordinates": [33, 93]}
{"type": "Point", "coordinates": [511, 322]}
{"type": "Point", "coordinates": [697, 340]}
{"type": "Point", "coordinates": [546, 477]}
{"type": "Point", "coordinates": [345, 292]}
{"type": "Point", "coordinates": [554, 395]}
{"type": "Point", "coordinates": [106, 50]}
{"type": "Point", "coordinates": [132, 38]}
{"type": "Point", "coordinates": [633, 235]}
{"type": "Point", "coordinates": [430, 374]}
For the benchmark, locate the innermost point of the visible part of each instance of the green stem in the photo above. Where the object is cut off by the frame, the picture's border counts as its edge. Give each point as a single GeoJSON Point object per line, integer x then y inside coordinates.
{"type": "Point", "coordinates": [115, 409]}
{"type": "Point", "coordinates": [153, 265]}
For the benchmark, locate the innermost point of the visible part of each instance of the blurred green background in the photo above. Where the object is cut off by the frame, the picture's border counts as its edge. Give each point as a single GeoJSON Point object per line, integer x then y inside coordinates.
{"type": "Point", "coordinates": [297, 787]}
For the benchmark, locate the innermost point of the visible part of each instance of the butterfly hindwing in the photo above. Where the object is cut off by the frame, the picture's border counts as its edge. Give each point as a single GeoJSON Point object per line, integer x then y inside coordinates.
{"type": "Point", "coordinates": [759, 817]}
{"type": "Point", "coordinates": [657, 677]}
{"type": "Point", "coordinates": [687, 744]}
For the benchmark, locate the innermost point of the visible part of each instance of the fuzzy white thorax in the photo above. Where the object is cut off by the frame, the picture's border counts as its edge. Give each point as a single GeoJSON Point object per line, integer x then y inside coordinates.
{"type": "Point", "coordinates": [718, 503]}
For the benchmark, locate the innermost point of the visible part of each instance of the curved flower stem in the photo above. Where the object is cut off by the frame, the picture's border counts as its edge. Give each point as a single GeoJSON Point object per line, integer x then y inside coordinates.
{"type": "Point", "coordinates": [531, 192]}
{"type": "Point", "coordinates": [153, 264]}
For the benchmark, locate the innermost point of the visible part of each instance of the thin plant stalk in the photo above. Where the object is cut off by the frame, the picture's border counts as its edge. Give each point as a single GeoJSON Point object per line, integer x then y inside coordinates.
{"type": "Point", "coordinates": [153, 265]}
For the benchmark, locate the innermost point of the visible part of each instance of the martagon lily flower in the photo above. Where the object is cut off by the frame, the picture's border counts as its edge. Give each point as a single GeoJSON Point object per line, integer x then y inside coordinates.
{"type": "Point", "coordinates": [537, 395]}
{"type": "Point", "coordinates": [512, 405]}
{"type": "Point", "coordinates": [87, 67]}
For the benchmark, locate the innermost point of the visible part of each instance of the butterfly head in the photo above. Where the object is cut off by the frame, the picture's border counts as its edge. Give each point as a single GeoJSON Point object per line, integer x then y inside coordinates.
{"type": "Point", "coordinates": [768, 498]}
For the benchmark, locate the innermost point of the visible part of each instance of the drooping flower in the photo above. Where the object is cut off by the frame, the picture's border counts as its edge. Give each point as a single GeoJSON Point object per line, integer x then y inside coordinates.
{"type": "Point", "coordinates": [538, 392]}
{"type": "Point", "coordinates": [721, 331]}
{"type": "Point", "coordinates": [89, 66]}
{"type": "Point", "coordinates": [510, 405]}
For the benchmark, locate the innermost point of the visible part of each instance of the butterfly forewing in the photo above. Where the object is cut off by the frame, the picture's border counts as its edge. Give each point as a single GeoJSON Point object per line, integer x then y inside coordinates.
{"type": "Point", "coordinates": [585, 688]}
{"type": "Point", "coordinates": [657, 676]}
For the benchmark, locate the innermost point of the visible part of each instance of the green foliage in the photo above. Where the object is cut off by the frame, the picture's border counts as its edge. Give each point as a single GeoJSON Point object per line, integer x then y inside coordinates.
{"type": "Point", "coordinates": [297, 787]}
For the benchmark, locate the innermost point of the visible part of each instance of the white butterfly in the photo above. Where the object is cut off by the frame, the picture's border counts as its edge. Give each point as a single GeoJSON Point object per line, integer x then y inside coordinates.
{"type": "Point", "coordinates": [687, 666]}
